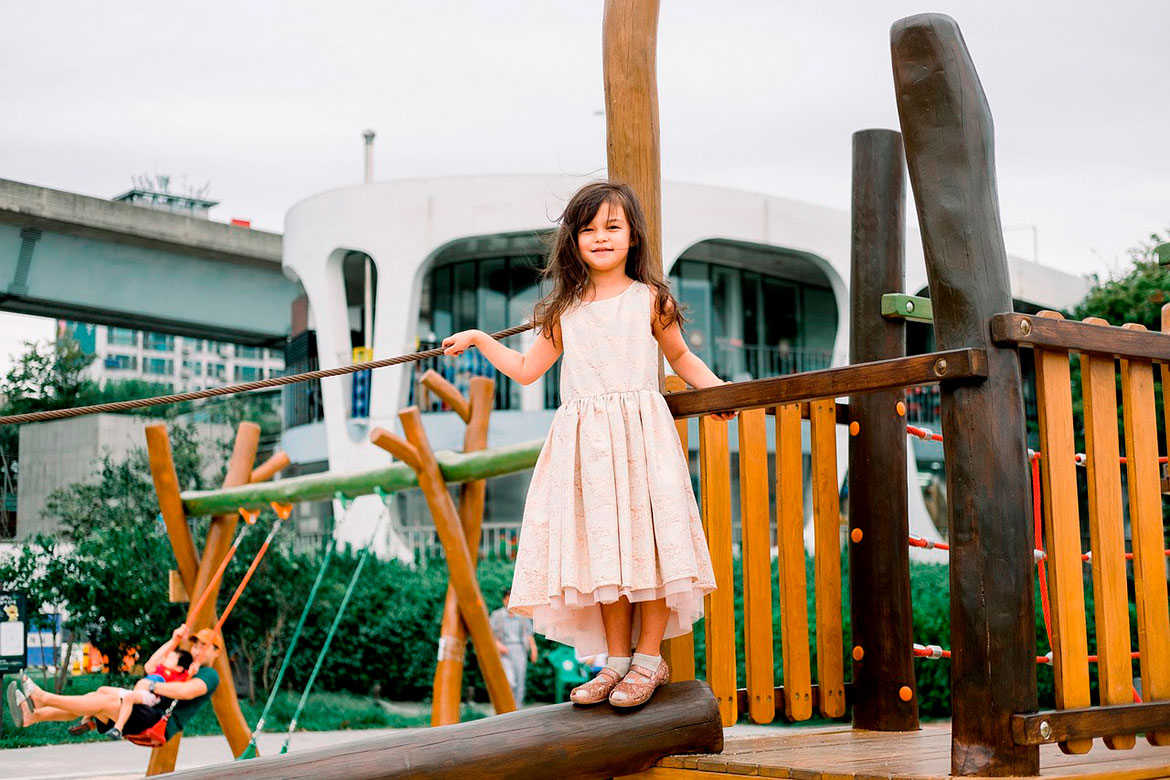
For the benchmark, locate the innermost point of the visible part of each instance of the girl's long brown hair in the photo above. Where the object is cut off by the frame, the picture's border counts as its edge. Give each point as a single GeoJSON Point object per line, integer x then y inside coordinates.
{"type": "Point", "coordinates": [570, 274]}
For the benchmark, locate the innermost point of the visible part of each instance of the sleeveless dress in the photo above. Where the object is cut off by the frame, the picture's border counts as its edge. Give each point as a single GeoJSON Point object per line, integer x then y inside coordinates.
{"type": "Point", "coordinates": [610, 511]}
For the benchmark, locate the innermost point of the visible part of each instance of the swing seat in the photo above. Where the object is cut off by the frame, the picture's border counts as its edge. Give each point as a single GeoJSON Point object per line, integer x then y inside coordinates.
{"type": "Point", "coordinates": [155, 736]}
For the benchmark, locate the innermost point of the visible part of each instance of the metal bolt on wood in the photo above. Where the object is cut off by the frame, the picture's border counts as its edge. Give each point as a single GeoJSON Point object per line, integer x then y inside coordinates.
{"type": "Point", "coordinates": [1025, 327]}
{"type": "Point", "coordinates": [1045, 730]}
{"type": "Point", "coordinates": [940, 367]}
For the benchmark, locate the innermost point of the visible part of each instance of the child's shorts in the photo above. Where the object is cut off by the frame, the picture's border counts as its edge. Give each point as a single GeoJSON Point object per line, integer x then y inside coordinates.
{"type": "Point", "coordinates": [148, 698]}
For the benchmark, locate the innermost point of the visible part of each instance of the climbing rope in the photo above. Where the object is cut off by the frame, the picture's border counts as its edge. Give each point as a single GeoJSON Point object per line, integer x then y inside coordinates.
{"type": "Point", "coordinates": [246, 387]}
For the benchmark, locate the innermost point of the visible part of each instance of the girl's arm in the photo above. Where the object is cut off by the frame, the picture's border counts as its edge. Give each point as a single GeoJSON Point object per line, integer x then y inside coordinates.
{"type": "Point", "coordinates": [689, 366]}
{"type": "Point", "coordinates": [524, 367]}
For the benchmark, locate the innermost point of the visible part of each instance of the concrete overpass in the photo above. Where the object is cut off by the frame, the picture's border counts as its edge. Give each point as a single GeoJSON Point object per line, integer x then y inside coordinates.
{"type": "Point", "coordinates": [71, 256]}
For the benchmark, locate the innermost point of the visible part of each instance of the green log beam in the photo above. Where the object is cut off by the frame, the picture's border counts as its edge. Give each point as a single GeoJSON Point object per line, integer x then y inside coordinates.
{"type": "Point", "coordinates": [456, 467]}
{"type": "Point", "coordinates": [907, 307]}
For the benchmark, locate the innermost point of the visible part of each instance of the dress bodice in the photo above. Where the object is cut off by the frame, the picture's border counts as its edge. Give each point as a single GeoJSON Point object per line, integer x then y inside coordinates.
{"type": "Point", "coordinates": [609, 346]}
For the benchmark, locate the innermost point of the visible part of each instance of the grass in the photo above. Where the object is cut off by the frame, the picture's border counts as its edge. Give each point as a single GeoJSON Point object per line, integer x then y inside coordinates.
{"type": "Point", "coordinates": [324, 711]}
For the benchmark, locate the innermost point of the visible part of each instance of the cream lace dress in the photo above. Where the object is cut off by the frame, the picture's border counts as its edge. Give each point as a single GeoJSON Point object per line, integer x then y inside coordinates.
{"type": "Point", "coordinates": [610, 511]}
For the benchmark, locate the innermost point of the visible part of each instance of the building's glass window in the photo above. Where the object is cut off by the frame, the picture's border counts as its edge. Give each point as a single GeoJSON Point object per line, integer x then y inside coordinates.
{"type": "Point", "coordinates": [755, 311]}
{"type": "Point", "coordinates": [160, 342]}
{"type": "Point", "coordinates": [217, 347]}
{"type": "Point", "coordinates": [216, 370]}
{"type": "Point", "coordinates": [248, 373]}
{"type": "Point", "coordinates": [249, 353]}
{"type": "Point", "coordinates": [198, 345]}
{"type": "Point", "coordinates": [121, 362]}
{"type": "Point", "coordinates": [193, 367]}
{"type": "Point", "coordinates": [158, 366]}
{"type": "Point", "coordinates": [122, 337]}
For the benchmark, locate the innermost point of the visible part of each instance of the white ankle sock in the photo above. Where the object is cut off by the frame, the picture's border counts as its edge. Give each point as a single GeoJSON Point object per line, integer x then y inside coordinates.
{"type": "Point", "coordinates": [619, 665]}
{"type": "Point", "coordinates": [646, 661]}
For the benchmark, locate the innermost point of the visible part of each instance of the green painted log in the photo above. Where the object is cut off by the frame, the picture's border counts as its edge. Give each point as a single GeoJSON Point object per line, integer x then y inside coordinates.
{"type": "Point", "coordinates": [456, 467]}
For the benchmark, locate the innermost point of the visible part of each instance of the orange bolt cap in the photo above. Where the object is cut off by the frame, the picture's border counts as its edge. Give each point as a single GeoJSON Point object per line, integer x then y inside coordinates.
{"type": "Point", "coordinates": [858, 653]}
{"type": "Point", "coordinates": [854, 428]}
{"type": "Point", "coordinates": [855, 535]}
{"type": "Point", "coordinates": [901, 407]}
{"type": "Point", "coordinates": [905, 694]}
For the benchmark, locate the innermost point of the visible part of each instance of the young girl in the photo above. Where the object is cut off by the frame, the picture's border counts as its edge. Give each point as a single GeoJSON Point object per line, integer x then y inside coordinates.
{"type": "Point", "coordinates": [611, 548]}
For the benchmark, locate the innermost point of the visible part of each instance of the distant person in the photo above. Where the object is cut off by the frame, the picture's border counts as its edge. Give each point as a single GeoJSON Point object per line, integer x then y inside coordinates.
{"type": "Point", "coordinates": [517, 646]}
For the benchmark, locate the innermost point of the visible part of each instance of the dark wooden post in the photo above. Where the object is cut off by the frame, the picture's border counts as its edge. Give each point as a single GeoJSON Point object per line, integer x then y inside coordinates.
{"type": "Point", "coordinates": [879, 558]}
{"type": "Point", "coordinates": [947, 130]}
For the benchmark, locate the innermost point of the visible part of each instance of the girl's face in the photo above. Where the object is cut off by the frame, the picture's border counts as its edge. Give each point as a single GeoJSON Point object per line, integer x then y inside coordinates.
{"type": "Point", "coordinates": [605, 241]}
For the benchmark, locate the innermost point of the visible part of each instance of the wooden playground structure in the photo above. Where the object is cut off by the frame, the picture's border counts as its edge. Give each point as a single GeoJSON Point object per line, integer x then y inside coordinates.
{"type": "Point", "coordinates": [946, 141]}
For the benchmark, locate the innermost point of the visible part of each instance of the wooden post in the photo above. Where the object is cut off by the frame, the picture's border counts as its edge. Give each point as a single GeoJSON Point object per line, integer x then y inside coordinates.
{"type": "Point", "coordinates": [219, 538]}
{"type": "Point", "coordinates": [679, 652]}
{"type": "Point", "coordinates": [879, 560]}
{"type": "Point", "coordinates": [629, 43]}
{"type": "Point", "coordinates": [947, 131]}
{"type": "Point", "coordinates": [416, 451]}
{"type": "Point", "coordinates": [448, 689]}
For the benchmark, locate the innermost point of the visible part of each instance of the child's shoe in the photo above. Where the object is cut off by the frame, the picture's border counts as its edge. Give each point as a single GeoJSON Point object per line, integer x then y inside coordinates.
{"type": "Point", "coordinates": [596, 690]}
{"type": "Point", "coordinates": [114, 733]}
{"type": "Point", "coordinates": [84, 726]}
{"type": "Point", "coordinates": [639, 685]}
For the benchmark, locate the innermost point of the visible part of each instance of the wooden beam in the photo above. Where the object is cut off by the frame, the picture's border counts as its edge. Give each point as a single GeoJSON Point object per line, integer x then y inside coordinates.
{"type": "Point", "coordinates": [459, 564]}
{"type": "Point", "coordinates": [913, 308]}
{"type": "Point", "coordinates": [1024, 330]}
{"type": "Point", "coordinates": [1041, 728]}
{"type": "Point", "coordinates": [447, 689]}
{"type": "Point", "coordinates": [814, 696]}
{"type": "Point", "coordinates": [951, 365]}
{"type": "Point", "coordinates": [879, 558]}
{"type": "Point", "coordinates": [949, 142]}
{"type": "Point", "coordinates": [456, 467]}
{"type": "Point", "coordinates": [561, 741]}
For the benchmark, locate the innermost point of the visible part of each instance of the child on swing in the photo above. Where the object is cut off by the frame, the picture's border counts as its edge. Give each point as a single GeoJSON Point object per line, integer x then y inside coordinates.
{"type": "Point", "coordinates": [612, 557]}
{"type": "Point", "coordinates": [176, 666]}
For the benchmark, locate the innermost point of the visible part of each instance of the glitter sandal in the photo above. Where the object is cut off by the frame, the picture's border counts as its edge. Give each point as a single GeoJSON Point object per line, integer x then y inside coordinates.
{"type": "Point", "coordinates": [596, 690]}
{"type": "Point", "coordinates": [639, 685]}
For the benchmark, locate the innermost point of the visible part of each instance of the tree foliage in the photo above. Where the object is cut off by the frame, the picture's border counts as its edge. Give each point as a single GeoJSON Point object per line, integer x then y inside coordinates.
{"type": "Point", "coordinates": [1136, 295]}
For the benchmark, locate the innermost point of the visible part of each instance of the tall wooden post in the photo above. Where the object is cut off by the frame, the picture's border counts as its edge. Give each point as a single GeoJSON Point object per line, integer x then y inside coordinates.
{"type": "Point", "coordinates": [947, 130]}
{"type": "Point", "coordinates": [220, 535]}
{"type": "Point", "coordinates": [879, 558]}
{"type": "Point", "coordinates": [475, 411]}
{"type": "Point", "coordinates": [629, 43]}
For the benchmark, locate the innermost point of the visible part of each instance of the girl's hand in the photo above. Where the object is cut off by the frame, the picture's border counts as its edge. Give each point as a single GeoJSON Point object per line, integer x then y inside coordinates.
{"type": "Point", "coordinates": [725, 416]}
{"type": "Point", "coordinates": [457, 343]}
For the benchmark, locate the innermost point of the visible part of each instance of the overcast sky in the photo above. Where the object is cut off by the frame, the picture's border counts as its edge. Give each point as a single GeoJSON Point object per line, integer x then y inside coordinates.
{"type": "Point", "coordinates": [266, 100]}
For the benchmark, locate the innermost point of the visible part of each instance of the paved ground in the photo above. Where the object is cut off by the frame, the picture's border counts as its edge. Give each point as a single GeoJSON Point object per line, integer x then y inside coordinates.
{"type": "Point", "coordinates": [109, 760]}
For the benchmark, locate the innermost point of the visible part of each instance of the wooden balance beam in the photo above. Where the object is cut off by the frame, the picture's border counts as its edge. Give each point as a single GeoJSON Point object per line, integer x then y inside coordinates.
{"type": "Point", "coordinates": [561, 741]}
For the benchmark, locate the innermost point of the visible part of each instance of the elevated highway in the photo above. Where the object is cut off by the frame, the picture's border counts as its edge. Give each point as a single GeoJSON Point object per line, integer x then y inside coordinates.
{"type": "Point", "coordinates": [72, 256]}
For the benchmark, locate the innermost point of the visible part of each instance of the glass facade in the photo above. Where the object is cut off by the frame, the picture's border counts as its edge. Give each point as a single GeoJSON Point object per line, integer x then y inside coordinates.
{"type": "Point", "coordinates": [755, 311]}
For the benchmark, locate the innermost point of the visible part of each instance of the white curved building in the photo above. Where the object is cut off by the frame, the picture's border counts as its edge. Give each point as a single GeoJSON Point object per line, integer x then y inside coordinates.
{"type": "Point", "coordinates": [765, 280]}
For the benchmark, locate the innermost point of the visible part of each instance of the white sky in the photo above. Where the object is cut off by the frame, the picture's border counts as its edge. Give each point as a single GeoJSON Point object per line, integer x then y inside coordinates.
{"type": "Point", "coordinates": [266, 100]}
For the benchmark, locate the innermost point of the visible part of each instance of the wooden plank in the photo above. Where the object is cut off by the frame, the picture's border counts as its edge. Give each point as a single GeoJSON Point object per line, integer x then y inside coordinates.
{"type": "Point", "coordinates": [957, 364]}
{"type": "Point", "coordinates": [679, 652]}
{"type": "Point", "coordinates": [1062, 526]}
{"type": "Point", "coordinates": [417, 452]}
{"type": "Point", "coordinates": [176, 593]}
{"type": "Point", "coordinates": [879, 559]}
{"type": "Point", "coordinates": [1087, 722]}
{"type": "Point", "coordinates": [756, 556]}
{"type": "Point", "coordinates": [913, 308]}
{"type": "Point", "coordinates": [447, 687]}
{"type": "Point", "coordinates": [1107, 535]}
{"type": "Point", "coordinates": [827, 559]}
{"type": "Point", "coordinates": [1145, 521]}
{"type": "Point", "coordinates": [1024, 330]}
{"type": "Point", "coordinates": [949, 141]}
{"type": "Point", "coordinates": [798, 704]}
{"type": "Point", "coordinates": [778, 694]}
{"type": "Point", "coordinates": [715, 494]}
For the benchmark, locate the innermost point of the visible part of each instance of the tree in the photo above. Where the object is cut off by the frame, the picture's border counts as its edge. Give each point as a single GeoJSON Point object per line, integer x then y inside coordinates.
{"type": "Point", "coordinates": [1137, 295]}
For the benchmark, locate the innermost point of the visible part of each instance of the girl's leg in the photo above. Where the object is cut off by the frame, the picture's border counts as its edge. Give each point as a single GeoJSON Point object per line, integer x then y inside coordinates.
{"type": "Point", "coordinates": [618, 618]}
{"type": "Point", "coordinates": [45, 714]}
{"type": "Point", "coordinates": [127, 706]}
{"type": "Point", "coordinates": [655, 615]}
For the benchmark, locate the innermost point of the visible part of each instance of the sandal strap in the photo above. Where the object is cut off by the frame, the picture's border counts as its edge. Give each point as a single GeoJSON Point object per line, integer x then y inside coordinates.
{"type": "Point", "coordinates": [646, 674]}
